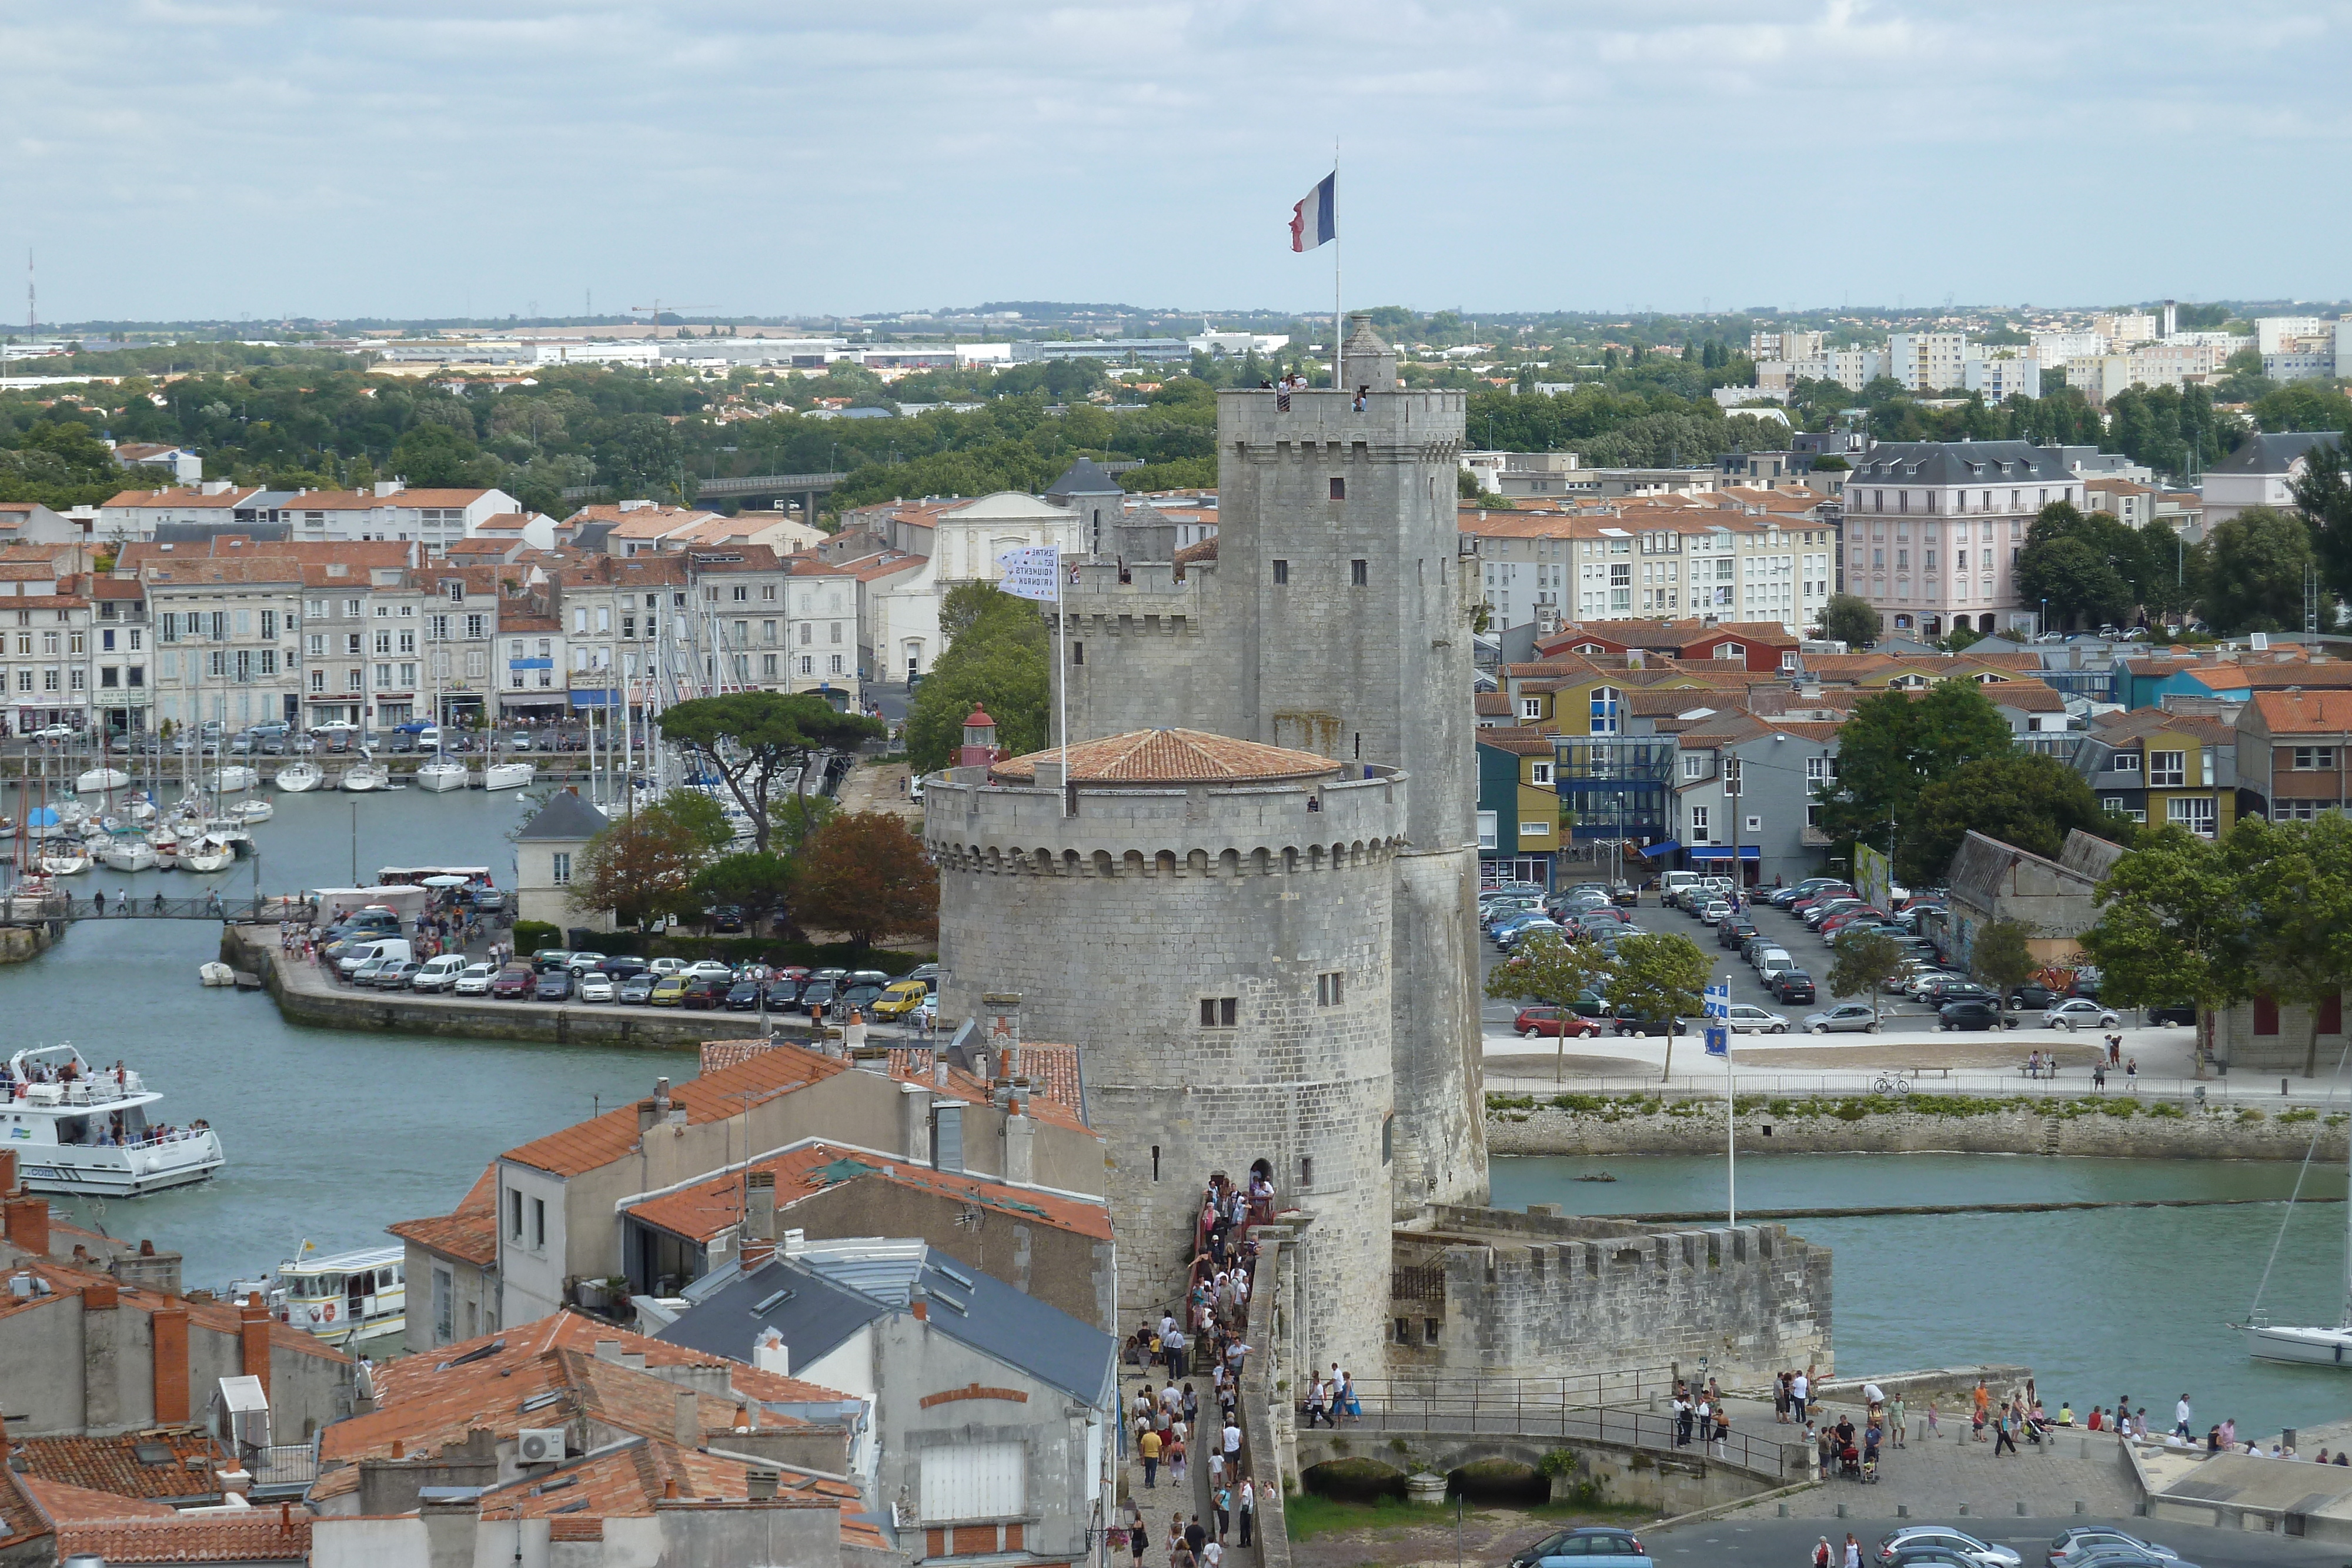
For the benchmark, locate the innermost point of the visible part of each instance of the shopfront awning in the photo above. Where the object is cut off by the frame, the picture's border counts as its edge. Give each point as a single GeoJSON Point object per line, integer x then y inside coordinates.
{"type": "Point", "coordinates": [1723, 852]}
{"type": "Point", "coordinates": [1664, 847]}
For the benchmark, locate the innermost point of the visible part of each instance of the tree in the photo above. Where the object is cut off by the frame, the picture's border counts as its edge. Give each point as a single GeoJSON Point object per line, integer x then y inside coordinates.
{"type": "Point", "coordinates": [1859, 961]}
{"type": "Point", "coordinates": [2255, 578]}
{"type": "Point", "coordinates": [1896, 745]}
{"type": "Point", "coordinates": [2024, 799]}
{"type": "Point", "coordinates": [1848, 618]}
{"type": "Point", "coordinates": [2001, 956]}
{"type": "Point", "coordinates": [865, 874]}
{"type": "Point", "coordinates": [756, 880]}
{"type": "Point", "coordinates": [2323, 494]}
{"type": "Point", "coordinates": [2173, 925]}
{"type": "Point", "coordinates": [644, 866]}
{"type": "Point", "coordinates": [1663, 978]}
{"type": "Point", "coordinates": [995, 659]}
{"type": "Point", "coordinates": [2296, 880]}
{"type": "Point", "coordinates": [2075, 582]}
{"type": "Point", "coordinates": [1547, 969]}
{"type": "Point", "coordinates": [1963, 635]}
{"type": "Point", "coordinates": [747, 738]}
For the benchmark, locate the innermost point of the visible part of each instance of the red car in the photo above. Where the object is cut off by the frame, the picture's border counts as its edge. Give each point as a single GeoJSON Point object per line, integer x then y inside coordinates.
{"type": "Point", "coordinates": [1550, 1020]}
{"type": "Point", "coordinates": [515, 983]}
{"type": "Point", "coordinates": [1845, 917]}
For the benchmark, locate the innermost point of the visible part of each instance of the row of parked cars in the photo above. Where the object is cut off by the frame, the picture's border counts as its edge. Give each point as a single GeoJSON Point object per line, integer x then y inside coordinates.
{"type": "Point", "coordinates": [1908, 1546]}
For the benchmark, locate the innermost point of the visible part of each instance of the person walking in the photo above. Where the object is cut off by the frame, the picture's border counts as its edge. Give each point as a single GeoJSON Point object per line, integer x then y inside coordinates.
{"type": "Point", "coordinates": [1221, 1500]}
{"type": "Point", "coordinates": [1148, 1444]}
{"type": "Point", "coordinates": [1822, 1556]}
{"type": "Point", "coordinates": [1249, 1508]}
{"type": "Point", "coordinates": [2180, 1421]}
{"type": "Point", "coordinates": [1897, 1418]}
{"type": "Point", "coordinates": [2131, 1074]}
{"type": "Point", "coordinates": [2003, 1435]}
{"type": "Point", "coordinates": [1799, 1387]}
{"type": "Point", "coordinates": [1852, 1551]}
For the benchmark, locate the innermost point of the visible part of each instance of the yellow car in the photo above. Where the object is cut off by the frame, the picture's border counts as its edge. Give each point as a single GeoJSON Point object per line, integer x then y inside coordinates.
{"type": "Point", "coordinates": [668, 989]}
{"type": "Point", "coordinates": [902, 998]}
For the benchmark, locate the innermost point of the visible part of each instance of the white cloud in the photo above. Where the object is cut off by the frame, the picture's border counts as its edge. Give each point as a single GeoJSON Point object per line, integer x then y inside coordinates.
{"type": "Point", "coordinates": [169, 157]}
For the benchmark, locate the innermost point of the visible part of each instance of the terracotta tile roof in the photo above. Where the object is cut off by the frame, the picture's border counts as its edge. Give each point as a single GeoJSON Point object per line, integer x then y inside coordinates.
{"type": "Point", "coordinates": [2285, 713]}
{"type": "Point", "coordinates": [1171, 757]}
{"type": "Point", "coordinates": [1518, 741]}
{"type": "Point", "coordinates": [705, 1211]}
{"type": "Point", "coordinates": [631, 1482]}
{"type": "Point", "coordinates": [351, 501]}
{"type": "Point", "coordinates": [1052, 1071]}
{"type": "Point", "coordinates": [252, 1536]}
{"type": "Point", "coordinates": [469, 1233]}
{"type": "Point", "coordinates": [593, 1143]}
{"type": "Point", "coordinates": [1491, 703]}
{"type": "Point", "coordinates": [62, 1502]}
{"type": "Point", "coordinates": [112, 1466]}
{"type": "Point", "coordinates": [1203, 549]}
{"type": "Point", "coordinates": [20, 1522]}
{"type": "Point", "coordinates": [2122, 728]}
{"type": "Point", "coordinates": [2031, 696]}
{"type": "Point", "coordinates": [181, 499]}
{"type": "Point", "coordinates": [502, 523]}
{"type": "Point", "coordinates": [217, 1317]}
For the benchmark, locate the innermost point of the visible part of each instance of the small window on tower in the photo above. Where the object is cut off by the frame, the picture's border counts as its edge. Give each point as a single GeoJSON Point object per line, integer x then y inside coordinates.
{"type": "Point", "coordinates": [1360, 573]}
{"type": "Point", "coordinates": [1338, 488]}
{"type": "Point", "coordinates": [1220, 1012]}
{"type": "Point", "coordinates": [1281, 571]}
{"type": "Point", "coordinates": [1078, 653]}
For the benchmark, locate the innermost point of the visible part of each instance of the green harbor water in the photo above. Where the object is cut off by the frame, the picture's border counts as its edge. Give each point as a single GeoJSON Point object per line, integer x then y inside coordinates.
{"type": "Point", "coordinates": [2100, 1303]}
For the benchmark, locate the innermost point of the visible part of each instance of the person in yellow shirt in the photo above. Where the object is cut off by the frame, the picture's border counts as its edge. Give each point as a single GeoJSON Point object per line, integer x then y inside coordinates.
{"type": "Point", "coordinates": [1149, 1446]}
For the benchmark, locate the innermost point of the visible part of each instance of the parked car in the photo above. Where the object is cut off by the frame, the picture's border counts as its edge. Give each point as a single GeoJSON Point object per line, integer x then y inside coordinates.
{"type": "Point", "coordinates": [1846, 1018]}
{"type": "Point", "coordinates": [1628, 1024]}
{"type": "Point", "coordinates": [668, 990]}
{"type": "Point", "coordinates": [1553, 1022]}
{"type": "Point", "coordinates": [1789, 986]}
{"type": "Point", "coordinates": [1972, 1013]}
{"type": "Point", "coordinates": [1915, 1537]}
{"type": "Point", "coordinates": [1534, 930]}
{"type": "Point", "coordinates": [1744, 1018]}
{"type": "Point", "coordinates": [705, 995]}
{"type": "Point", "coordinates": [819, 993]}
{"type": "Point", "coordinates": [581, 962]}
{"type": "Point", "coordinates": [1593, 1546]}
{"type": "Point", "coordinates": [514, 983]}
{"type": "Point", "coordinates": [394, 975]}
{"type": "Point", "coordinates": [2030, 998]}
{"type": "Point", "coordinates": [475, 980]}
{"type": "Point", "coordinates": [899, 999]}
{"type": "Point", "coordinates": [554, 986]}
{"type": "Point", "coordinates": [746, 996]}
{"type": "Point", "coordinates": [2071, 1547]}
{"type": "Point", "coordinates": [621, 967]}
{"type": "Point", "coordinates": [439, 974]}
{"type": "Point", "coordinates": [2078, 1012]}
{"type": "Point", "coordinates": [1715, 910]}
{"type": "Point", "coordinates": [707, 970]}
{"type": "Point", "coordinates": [667, 966]}
{"type": "Point", "coordinates": [548, 958]}
{"type": "Point", "coordinates": [596, 986]}
{"type": "Point", "coordinates": [859, 997]}
{"type": "Point", "coordinates": [633, 990]}
{"type": "Point", "coordinates": [1734, 932]}
{"type": "Point", "coordinates": [726, 917]}
{"type": "Point", "coordinates": [2172, 1013]}
{"type": "Point", "coordinates": [927, 973]}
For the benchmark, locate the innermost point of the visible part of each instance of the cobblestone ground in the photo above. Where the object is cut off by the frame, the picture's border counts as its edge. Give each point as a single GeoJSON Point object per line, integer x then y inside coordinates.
{"type": "Point", "coordinates": [1934, 1477]}
{"type": "Point", "coordinates": [1188, 1498]}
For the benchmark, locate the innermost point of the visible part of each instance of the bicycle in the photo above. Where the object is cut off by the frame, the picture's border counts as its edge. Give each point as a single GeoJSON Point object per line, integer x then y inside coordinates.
{"type": "Point", "coordinates": [1890, 1084]}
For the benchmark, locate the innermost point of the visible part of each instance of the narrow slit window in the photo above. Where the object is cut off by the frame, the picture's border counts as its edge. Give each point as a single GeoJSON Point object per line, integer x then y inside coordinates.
{"type": "Point", "coordinates": [1338, 488]}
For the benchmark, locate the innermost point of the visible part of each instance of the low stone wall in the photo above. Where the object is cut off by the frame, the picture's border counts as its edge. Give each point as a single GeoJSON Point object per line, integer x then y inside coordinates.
{"type": "Point", "coordinates": [2117, 1124]}
{"type": "Point", "coordinates": [21, 944]}
{"type": "Point", "coordinates": [307, 997]}
{"type": "Point", "coordinates": [1944, 1384]}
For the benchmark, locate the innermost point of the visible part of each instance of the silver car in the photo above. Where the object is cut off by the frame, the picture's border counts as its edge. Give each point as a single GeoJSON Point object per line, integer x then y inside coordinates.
{"type": "Point", "coordinates": [1957, 1542]}
{"type": "Point", "coordinates": [1849, 1018]}
{"type": "Point", "coordinates": [2080, 1012]}
{"type": "Point", "coordinates": [1745, 1019]}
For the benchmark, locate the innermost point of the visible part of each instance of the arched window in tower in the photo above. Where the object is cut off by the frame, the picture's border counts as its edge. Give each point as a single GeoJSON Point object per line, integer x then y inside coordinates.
{"type": "Point", "coordinates": [1607, 704]}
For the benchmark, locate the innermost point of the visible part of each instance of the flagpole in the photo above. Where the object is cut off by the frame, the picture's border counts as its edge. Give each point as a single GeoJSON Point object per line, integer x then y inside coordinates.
{"type": "Point", "coordinates": [1061, 686]}
{"type": "Point", "coordinates": [1335, 267]}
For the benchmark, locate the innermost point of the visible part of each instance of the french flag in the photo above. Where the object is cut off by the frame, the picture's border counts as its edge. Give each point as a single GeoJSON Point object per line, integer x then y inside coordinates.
{"type": "Point", "coordinates": [1313, 221]}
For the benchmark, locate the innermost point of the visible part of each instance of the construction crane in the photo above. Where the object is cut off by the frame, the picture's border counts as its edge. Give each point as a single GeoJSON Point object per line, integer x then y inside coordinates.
{"type": "Point", "coordinates": [655, 310]}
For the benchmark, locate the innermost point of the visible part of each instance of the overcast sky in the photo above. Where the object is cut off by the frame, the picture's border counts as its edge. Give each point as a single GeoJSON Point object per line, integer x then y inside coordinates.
{"type": "Point", "coordinates": [447, 157]}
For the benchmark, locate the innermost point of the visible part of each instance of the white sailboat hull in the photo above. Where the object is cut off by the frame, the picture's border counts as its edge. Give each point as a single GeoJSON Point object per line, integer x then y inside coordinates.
{"type": "Point", "coordinates": [439, 777]}
{"type": "Point", "coordinates": [98, 780]}
{"type": "Point", "coordinates": [507, 775]}
{"type": "Point", "coordinates": [361, 777]}
{"type": "Point", "coordinates": [127, 854]}
{"type": "Point", "coordinates": [229, 781]}
{"type": "Point", "coordinates": [2304, 1346]}
{"type": "Point", "coordinates": [298, 777]}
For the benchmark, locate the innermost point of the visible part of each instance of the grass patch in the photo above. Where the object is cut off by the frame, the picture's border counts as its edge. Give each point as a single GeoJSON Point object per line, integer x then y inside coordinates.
{"type": "Point", "coordinates": [2121, 1109]}
{"type": "Point", "coordinates": [2249, 1115]}
{"type": "Point", "coordinates": [2165, 1109]}
{"type": "Point", "coordinates": [2300, 1113]}
{"type": "Point", "coordinates": [1305, 1515]}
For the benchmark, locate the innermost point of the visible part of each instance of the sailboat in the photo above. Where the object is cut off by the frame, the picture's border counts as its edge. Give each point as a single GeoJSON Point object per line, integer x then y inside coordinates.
{"type": "Point", "coordinates": [100, 780]}
{"type": "Point", "coordinates": [440, 775]}
{"type": "Point", "coordinates": [367, 774]}
{"type": "Point", "coordinates": [207, 854]}
{"type": "Point", "coordinates": [296, 778]}
{"type": "Point", "coordinates": [2306, 1346]}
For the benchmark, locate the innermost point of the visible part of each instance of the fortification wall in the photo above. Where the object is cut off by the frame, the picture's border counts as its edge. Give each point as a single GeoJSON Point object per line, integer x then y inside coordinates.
{"type": "Point", "coordinates": [1523, 1303]}
{"type": "Point", "coordinates": [1117, 923]}
{"type": "Point", "coordinates": [1141, 653]}
{"type": "Point", "coordinates": [1441, 1101]}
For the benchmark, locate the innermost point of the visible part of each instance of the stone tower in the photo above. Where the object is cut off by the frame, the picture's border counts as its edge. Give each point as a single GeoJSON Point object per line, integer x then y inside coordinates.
{"type": "Point", "coordinates": [1212, 920]}
{"type": "Point", "coordinates": [1333, 618]}
{"type": "Point", "coordinates": [1099, 501]}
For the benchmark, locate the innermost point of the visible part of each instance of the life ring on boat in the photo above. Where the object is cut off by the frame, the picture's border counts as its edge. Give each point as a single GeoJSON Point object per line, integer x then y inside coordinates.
{"type": "Point", "coordinates": [329, 1313]}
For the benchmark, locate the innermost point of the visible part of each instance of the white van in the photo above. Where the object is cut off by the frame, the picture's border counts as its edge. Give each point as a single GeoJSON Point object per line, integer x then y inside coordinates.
{"type": "Point", "coordinates": [1673, 881]}
{"type": "Point", "coordinates": [394, 948]}
{"type": "Point", "coordinates": [439, 974]}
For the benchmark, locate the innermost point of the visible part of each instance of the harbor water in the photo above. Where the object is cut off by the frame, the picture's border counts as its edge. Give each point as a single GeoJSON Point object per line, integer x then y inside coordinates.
{"type": "Point", "coordinates": [2101, 1302]}
{"type": "Point", "coordinates": [330, 1135]}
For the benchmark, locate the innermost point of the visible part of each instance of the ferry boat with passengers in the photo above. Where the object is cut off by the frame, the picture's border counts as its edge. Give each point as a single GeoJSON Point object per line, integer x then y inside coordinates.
{"type": "Point", "coordinates": [79, 1128]}
{"type": "Point", "coordinates": [352, 1299]}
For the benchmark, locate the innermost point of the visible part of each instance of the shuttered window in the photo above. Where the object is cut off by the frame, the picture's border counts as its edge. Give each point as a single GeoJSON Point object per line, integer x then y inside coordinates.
{"type": "Point", "coordinates": [974, 1481]}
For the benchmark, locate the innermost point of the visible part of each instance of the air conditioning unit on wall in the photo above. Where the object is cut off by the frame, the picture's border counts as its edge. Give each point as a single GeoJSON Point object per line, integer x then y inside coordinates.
{"type": "Point", "coordinates": [540, 1446]}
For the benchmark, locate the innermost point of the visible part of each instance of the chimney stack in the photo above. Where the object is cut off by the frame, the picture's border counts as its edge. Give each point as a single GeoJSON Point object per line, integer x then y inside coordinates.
{"type": "Point", "coordinates": [253, 1340]}
{"type": "Point", "coordinates": [170, 1327]}
{"type": "Point", "coordinates": [689, 1418]}
{"type": "Point", "coordinates": [762, 1484]}
{"type": "Point", "coordinates": [28, 1223]}
{"type": "Point", "coordinates": [760, 1213]}
{"type": "Point", "coordinates": [661, 1099]}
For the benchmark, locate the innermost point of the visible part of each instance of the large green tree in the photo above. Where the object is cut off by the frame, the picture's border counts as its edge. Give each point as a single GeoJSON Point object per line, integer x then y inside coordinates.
{"type": "Point", "coordinates": [2297, 880]}
{"type": "Point", "coordinates": [865, 874]}
{"type": "Point", "coordinates": [750, 738]}
{"type": "Point", "coordinates": [2255, 575]}
{"type": "Point", "coordinates": [1660, 976]}
{"type": "Point", "coordinates": [1848, 618]}
{"type": "Point", "coordinates": [995, 659]}
{"type": "Point", "coordinates": [2025, 798]}
{"type": "Point", "coordinates": [1859, 962]}
{"type": "Point", "coordinates": [1550, 970]}
{"type": "Point", "coordinates": [1896, 745]}
{"type": "Point", "coordinates": [2323, 494]}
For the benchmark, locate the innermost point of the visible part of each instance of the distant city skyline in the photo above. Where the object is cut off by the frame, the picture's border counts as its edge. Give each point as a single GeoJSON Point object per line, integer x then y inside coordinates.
{"type": "Point", "coordinates": [480, 159]}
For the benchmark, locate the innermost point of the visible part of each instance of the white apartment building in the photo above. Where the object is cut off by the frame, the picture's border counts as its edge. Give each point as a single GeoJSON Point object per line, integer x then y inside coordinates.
{"type": "Point", "coordinates": [135, 514]}
{"type": "Point", "coordinates": [45, 637]}
{"type": "Point", "coordinates": [2173, 364]}
{"type": "Point", "coordinates": [2056, 348]}
{"type": "Point", "coordinates": [1927, 361]}
{"type": "Point", "coordinates": [1789, 345]}
{"type": "Point", "coordinates": [2277, 334]}
{"type": "Point", "coordinates": [227, 649]}
{"type": "Point", "coordinates": [1649, 562]}
{"type": "Point", "coordinates": [1933, 530]}
{"type": "Point", "coordinates": [2123, 330]}
{"type": "Point", "coordinates": [436, 518]}
{"type": "Point", "coordinates": [1998, 378]}
{"type": "Point", "coordinates": [822, 654]}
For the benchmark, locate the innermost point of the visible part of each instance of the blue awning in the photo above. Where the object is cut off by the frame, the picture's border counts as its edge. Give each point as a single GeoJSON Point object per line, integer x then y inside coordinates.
{"type": "Point", "coordinates": [1665, 847]}
{"type": "Point", "coordinates": [1723, 852]}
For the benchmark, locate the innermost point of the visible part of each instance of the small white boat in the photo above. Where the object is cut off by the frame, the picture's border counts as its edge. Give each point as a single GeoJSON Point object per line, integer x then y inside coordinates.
{"type": "Point", "coordinates": [349, 1299]}
{"type": "Point", "coordinates": [2307, 1346]}
{"type": "Point", "coordinates": [251, 811]}
{"type": "Point", "coordinates": [127, 852]}
{"type": "Point", "coordinates": [98, 780]}
{"type": "Point", "coordinates": [365, 776]}
{"type": "Point", "coordinates": [441, 775]}
{"type": "Point", "coordinates": [217, 974]}
{"type": "Point", "coordinates": [228, 780]}
{"type": "Point", "coordinates": [207, 854]}
{"type": "Point", "coordinates": [296, 778]}
{"type": "Point", "coordinates": [63, 857]}
{"type": "Point", "coordinates": [166, 845]}
{"type": "Point", "coordinates": [507, 775]}
{"type": "Point", "coordinates": [138, 807]}
{"type": "Point", "coordinates": [78, 1129]}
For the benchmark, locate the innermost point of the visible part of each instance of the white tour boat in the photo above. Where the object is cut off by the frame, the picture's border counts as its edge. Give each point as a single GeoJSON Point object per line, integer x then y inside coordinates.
{"type": "Point", "coordinates": [100, 781]}
{"type": "Point", "coordinates": [127, 852]}
{"type": "Point", "coordinates": [232, 779]}
{"type": "Point", "coordinates": [365, 776]}
{"type": "Point", "coordinates": [74, 1128]}
{"type": "Point", "coordinates": [351, 1298]}
{"type": "Point", "coordinates": [441, 775]}
{"type": "Point", "coordinates": [297, 777]}
{"type": "Point", "coordinates": [507, 775]}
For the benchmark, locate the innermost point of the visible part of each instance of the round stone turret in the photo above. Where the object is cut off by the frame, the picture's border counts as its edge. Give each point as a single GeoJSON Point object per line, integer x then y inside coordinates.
{"type": "Point", "coordinates": [1210, 920]}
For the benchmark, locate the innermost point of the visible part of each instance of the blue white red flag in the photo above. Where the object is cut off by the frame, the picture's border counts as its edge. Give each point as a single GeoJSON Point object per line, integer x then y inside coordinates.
{"type": "Point", "coordinates": [1314, 220]}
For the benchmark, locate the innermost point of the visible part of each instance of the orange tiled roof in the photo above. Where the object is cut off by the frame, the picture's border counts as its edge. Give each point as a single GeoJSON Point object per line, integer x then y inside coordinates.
{"type": "Point", "coordinates": [112, 1466]}
{"type": "Point", "coordinates": [1518, 741]}
{"type": "Point", "coordinates": [255, 1535]}
{"type": "Point", "coordinates": [603, 1139]}
{"type": "Point", "coordinates": [62, 1502]}
{"type": "Point", "coordinates": [182, 499]}
{"type": "Point", "coordinates": [1171, 757]}
{"type": "Point", "coordinates": [2283, 713]}
{"type": "Point", "coordinates": [1052, 1071]}
{"type": "Point", "coordinates": [469, 1233]}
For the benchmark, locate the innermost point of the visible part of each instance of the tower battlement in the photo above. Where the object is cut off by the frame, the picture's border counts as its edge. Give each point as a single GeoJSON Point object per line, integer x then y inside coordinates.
{"type": "Point", "coordinates": [1425, 422]}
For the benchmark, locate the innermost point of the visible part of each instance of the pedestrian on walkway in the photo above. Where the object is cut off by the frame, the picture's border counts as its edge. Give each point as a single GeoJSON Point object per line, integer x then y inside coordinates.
{"type": "Point", "coordinates": [2131, 1074]}
{"type": "Point", "coordinates": [1897, 1418]}
{"type": "Point", "coordinates": [2180, 1420]}
{"type": "Point", "coordinates": [2003, 1436]}
{"type": "Point", "coordinates": [99, 899]}
{"type": "Point", "coordinates": [1177, 1472]}
{"type": "Point", "coordinates": [1316, 1407]}
{"type": "Point", "coordinates": [1781, 1399]}
{"type": "Point", "coordinates": [1822, 1556]}
{"type": "Point", "coordinates": [1799, 1387]}
{"type": "Point", "coordinates": [1249, 1508]}
{"type": "Point", "coordinates": [1852, 1551]}
{"type": "Point", "coordinates": [1221, 1500]}
{"type": "Point", "coordinates": [1933, 1429]}
{"type": "Point", "coordinates": [1148, 1444]}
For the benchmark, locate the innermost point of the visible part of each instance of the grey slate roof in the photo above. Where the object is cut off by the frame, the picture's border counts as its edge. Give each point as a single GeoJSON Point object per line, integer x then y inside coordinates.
{"type": "Point", "coordinates": [820, 1298]}
{"type": "Point", "coordinates": [1958, 463]}
{"type": "Point", "coordinates": [1084, 478]}
{"type": "Point", "coordinates": [567, 816]}
{"type": "Point", "coordinates": [2274, 454]}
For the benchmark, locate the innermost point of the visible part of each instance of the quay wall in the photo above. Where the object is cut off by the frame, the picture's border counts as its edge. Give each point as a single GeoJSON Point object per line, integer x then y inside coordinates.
{"type": "Point", "coordinates": [22, 944]}
{"type": "Point", "coordinates": [2120, 1125]}
{"type": "Point", "coordinates": [305, 996]}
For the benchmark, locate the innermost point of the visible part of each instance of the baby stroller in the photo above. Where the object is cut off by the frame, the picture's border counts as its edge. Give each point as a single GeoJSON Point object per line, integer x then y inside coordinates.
{"type": "Point", "coordinates": [1869, 1475]}
{"type": "Point", "coordinates": [1849, 1463]}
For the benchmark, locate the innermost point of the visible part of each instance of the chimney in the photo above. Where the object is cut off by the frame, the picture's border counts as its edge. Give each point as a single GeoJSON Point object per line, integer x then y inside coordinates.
{"type": "Point", "coordinates": [236, 1482]}
{"type": "Point", "coordinates": [608, 1350]}
{"type": "Point", "coordinates": [101, 1347]}
{"type": "Point", "coordinates": [661, 1099]}
{"type": "Point", "coordinates": [940, 1072]}
{"type": "Point", "coordinates": [763, 1485]}
{"type": "Point", "coordinates": [171, 1355]}
{"type": "Point", "coordinates": [754, 1252]}
{"type": "Point", "coordinates": [771, 1354]}
{"type": "Point", "coordinates": [689, 1418]}
{"type": "Point", "coordinates": [648, 1113]}
{"type": "Point", "coordinates": [1020, 1145]}
{"type": "Point", "coordinates": [27, 1224]}
{"type": "Point", "coordinates": [7, 1173]}
{"type": "Point", "coordinates": [253, 1340]}
{"type": "Point", "coordinates": [669, 1489]}
{"type": "Point", "coordinates": [795, 1243]}
{"type": "Point", "coordinates": [759, 1215]}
